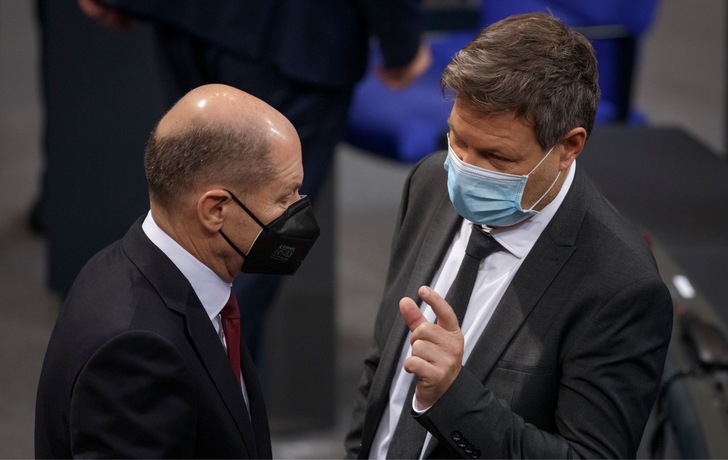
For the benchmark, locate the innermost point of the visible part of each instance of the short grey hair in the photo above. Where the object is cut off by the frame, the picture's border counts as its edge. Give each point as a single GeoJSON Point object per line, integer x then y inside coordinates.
{"type": "Point", "coordinates": [180, 163]}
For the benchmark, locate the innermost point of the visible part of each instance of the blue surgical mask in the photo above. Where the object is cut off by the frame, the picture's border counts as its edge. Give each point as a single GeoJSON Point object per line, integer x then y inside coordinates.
{"type": "Point", "coordinates": [487, 197]}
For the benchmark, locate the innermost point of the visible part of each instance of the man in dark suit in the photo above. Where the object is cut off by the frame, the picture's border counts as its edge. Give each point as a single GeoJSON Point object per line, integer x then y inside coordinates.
{"type": "Point", "coordinates": [301, 57]}
{"type": "Point", "coordinates": [136, 365]}
{"type": "Point", "coordinates": [560, 351]}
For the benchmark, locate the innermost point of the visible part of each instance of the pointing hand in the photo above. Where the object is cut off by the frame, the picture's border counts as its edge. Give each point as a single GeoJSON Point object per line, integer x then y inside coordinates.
{"type": "Point", "coordinates": [437, 348]}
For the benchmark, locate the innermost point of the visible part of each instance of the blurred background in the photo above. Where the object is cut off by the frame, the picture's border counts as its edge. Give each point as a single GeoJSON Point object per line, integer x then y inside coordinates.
{"type": "Point", "coordinates": [676, 114]}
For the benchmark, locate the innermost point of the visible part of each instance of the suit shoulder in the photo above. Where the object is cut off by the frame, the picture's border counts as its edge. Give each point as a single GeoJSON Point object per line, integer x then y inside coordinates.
{"type": "Point", "coordinates": [616, 241]}
{"type": "Point", "coordinates": [102, 302]}
{"type": "Point", "coordinates": [432, 164]}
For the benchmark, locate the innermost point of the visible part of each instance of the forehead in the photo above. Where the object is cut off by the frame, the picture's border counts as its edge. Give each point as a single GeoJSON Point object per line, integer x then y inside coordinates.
{"type": "Point", "coordinates": [476, 126]}
{"type": "Point", "coordinates": [286, 156]}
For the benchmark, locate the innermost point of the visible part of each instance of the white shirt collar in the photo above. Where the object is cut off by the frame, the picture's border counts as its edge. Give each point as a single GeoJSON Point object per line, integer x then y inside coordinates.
{"type": "Point", "coordinates": [520, 238]}
{"type": "Point", "coordinates": [212, 290]}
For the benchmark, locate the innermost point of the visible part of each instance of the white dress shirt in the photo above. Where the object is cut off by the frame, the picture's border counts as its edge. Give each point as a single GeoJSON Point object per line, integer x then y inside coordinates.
{"type": "Point", "coordinates": [212, 290]}
{"type": "Point", "coordinates": [494, 276]}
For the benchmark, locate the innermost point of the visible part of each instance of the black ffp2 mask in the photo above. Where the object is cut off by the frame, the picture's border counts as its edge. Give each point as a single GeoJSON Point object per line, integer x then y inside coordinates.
{"type": "Point", "coordinates": [281, 245]}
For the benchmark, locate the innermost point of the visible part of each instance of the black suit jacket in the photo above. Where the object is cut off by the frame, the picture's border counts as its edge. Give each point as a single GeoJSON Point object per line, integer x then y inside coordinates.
{"type": "Point", "coordinates": [570, 363]}
{"type": "Point", "coordinates": [321, 42]}
{"type": "Point", "coordinates": [134, 368]}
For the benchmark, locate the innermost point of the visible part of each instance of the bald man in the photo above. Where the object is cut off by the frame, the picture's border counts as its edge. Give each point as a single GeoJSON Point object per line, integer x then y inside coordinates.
{"type": "Point", "coordinates": [139, 363]}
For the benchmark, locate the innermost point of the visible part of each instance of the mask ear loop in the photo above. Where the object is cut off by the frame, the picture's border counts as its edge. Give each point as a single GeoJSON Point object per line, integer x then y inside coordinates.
{"type": "Point", "coordinates": [240, 203]}
{"type": "Point", "coordinates": [252, 216]}
{"type": "Point", "coordinates": [546, 192]}
{"type": "Point", "coordinates": [552, 183]}
{"type": "Point", "coordinates": [232, 245]}
{"type": "Point", "coordinates": [542, 160]}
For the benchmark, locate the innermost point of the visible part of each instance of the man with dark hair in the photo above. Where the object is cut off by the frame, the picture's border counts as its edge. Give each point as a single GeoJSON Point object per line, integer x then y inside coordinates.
{"type": "Point", "coordinates": [522, 315]}
{"type": "Point", "coordinates": [136, 366]}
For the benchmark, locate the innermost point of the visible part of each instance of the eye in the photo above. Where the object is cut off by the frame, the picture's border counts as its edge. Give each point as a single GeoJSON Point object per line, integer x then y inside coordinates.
{"type": "Point", "coordinates": [290, 197]}
{"type": "Point", "coordinates": [455, 140]}
{"type": "Point", "coordinates": [496, 157]}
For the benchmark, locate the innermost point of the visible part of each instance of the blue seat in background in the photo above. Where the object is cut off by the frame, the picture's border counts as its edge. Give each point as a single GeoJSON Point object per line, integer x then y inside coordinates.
{"type": "Point", "coordinates": [406, 125]}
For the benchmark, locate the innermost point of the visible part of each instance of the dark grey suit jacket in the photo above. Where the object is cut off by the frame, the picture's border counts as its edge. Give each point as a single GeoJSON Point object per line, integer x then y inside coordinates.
{"type": "Point", "coordinates": [135, 369]}
{"type": "Point", "coordinates": [570, 363]}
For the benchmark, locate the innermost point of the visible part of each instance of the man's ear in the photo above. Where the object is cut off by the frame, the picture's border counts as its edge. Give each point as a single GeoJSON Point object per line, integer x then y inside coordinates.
{"type": "Point", "coordinates": [573, 143]}
{"type": "Point", "coordinates": [212, 209]}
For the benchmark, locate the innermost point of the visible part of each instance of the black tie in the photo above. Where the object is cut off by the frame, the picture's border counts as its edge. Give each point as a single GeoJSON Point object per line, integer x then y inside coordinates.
{"type": "Point", "coordinates": [409, 435]}
{"type": "Point", "coordinates": [480, 245]}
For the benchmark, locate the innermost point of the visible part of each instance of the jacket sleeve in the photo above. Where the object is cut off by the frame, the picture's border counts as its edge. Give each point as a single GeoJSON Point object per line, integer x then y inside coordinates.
{"type": "Point", "coordinates": [397, 25]}
{"type": "Point", "coordinates": [607, 387]}
{"type": "Point", "coordinates": [133, 399]}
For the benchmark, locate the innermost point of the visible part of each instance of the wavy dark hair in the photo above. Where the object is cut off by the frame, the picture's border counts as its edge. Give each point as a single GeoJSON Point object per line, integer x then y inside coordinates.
{"type": "Point", "coordinates": [534, 66]}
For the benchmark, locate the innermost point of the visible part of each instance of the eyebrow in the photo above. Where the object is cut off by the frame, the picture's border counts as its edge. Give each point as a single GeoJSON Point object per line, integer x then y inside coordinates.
{"type": "Point", "coordinates": [451, 130]}
{"type": "Point", "coordinates": [481, 152]}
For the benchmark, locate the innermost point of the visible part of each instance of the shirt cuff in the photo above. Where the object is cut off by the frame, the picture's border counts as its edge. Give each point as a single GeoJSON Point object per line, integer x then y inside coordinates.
{"type": "Point", "coordinates": [417, 408]}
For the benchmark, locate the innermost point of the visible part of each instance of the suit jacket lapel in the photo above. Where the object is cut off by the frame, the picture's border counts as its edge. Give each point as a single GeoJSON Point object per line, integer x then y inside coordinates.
{"type": "Point", "coordinates": [437, 239]}
{"type": "Point", "coordinates": [533, 278]}
{"type": "Point", "coordinates": [179, 296]}
{"type": "Point", "coordinates": [440, 232]}
{"type": "Point", "coordinates": [543, 263]}
{"type": "Point", "coordinates": [218, 367]}
{"type": "Point", "coordinates": [438, 235]}
{"type": "Point", "coordinates": [258, 413]}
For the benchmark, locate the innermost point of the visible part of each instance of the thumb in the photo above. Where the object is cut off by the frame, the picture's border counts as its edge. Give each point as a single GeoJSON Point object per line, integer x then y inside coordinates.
{"type": "Point", "coordinates": [411, 313]}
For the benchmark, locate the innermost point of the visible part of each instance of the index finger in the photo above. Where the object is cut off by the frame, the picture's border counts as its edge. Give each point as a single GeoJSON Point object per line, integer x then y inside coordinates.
{"type": "Point", "coordinates": [446, 317]}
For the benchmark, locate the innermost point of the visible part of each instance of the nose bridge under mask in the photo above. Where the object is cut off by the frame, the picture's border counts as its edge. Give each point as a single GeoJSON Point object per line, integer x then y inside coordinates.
{"type": "Point", "coordinates": [468, 168]}
{"type": "Point", "coordinates": [488, 197]}
{"type": "Point", "coordinates": [283, 244]}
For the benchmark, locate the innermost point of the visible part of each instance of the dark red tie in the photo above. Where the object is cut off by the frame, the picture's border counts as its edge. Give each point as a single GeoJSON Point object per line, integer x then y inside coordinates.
{"type": "Point", "coordinates": [230, 315]}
